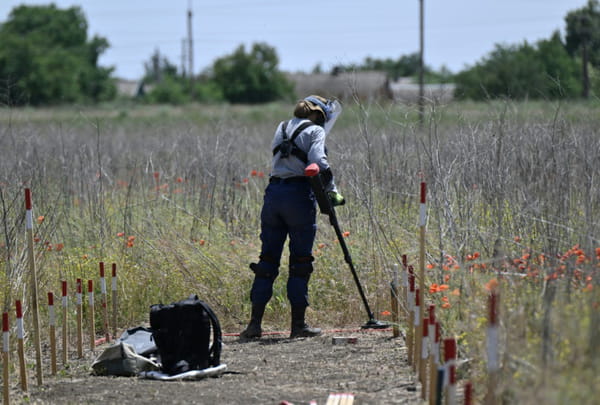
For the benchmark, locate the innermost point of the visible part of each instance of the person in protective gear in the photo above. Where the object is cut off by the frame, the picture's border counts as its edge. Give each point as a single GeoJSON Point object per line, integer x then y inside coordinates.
{"type": "Point", "coordinates": [289, 209]}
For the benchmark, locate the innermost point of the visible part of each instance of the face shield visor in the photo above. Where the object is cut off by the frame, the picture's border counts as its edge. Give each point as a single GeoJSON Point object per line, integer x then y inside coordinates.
{"type": "Point", "coordinates": [335, 111]}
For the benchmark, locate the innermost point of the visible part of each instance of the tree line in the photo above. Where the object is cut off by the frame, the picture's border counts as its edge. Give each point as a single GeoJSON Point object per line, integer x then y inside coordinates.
{"type": "Point", "coordinates": [47, 58]}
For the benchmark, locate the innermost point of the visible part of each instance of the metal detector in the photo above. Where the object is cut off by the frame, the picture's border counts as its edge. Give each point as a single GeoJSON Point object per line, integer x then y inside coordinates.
{"type": "Point", "coordinates": [312, 172]}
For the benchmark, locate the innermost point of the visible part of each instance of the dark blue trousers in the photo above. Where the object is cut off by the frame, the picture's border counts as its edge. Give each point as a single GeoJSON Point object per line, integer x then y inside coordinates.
{"type": "Point", "coordinates": [289, 209]}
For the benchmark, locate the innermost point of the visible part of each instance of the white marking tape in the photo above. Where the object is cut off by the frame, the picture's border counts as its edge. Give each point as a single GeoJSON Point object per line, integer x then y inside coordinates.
{"type": "Point", "coordinates": [20, 333]}
{"type": "Point", "coordinates": [102, 285]}
{"type": "Point", "coordinates": [492, 348]}
{"type": "Point", "coordinates": [5, 342]}
{"type": "Point", "coordinates": [29, 219]}
{"type": "Point", "coordinates": [424, 347]}
{"type": "Point", "coordinates": [52, 315]}
{"type": "Point", "coordinates": [431, 333]}
{"type": "Point", "coordinates": [423, 214]}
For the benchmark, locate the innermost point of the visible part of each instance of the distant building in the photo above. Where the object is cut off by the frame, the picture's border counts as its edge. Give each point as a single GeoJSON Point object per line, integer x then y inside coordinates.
{"type": "Point", "coordinates": [368, 86]}
{"type": "Point", "coordinates": [131, 88]}
{"type": "Point", "coordinates": [406, 90]}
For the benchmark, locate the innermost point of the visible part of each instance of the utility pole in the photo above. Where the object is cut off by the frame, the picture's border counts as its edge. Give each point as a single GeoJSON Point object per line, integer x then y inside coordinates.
{"type": "Point", "coordinates": [421, 65]}
{"type": "Point", "coordinates": [183, 56]}
{"type": "Point", "coordinates": [190, 47]}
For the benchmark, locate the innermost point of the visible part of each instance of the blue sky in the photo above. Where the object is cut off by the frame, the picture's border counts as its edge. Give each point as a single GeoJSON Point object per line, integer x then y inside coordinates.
{"type": "Point", "coordinates": [458, 33]}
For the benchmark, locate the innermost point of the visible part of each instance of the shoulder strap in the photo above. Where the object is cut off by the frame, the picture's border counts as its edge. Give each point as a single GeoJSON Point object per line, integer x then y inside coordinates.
{"type": "Point", "coordinates": [215, 349]}
{"type": "Point", "coordinates": [283, 128]}
{"type": "Point", "coordinates": [284, 135]}
{"type": "Point", "coordinates": [296, 151]}
{"type": "Point", "coordinates": [301, 128]}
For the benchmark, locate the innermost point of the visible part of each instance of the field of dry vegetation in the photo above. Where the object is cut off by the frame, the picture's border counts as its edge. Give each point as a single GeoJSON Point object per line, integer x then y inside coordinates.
{"type": "Point", "coordinates": [173, 195]}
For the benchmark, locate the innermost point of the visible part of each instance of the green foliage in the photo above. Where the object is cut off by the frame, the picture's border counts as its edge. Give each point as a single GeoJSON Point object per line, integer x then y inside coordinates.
{"type": "Point", "coordinates": [583, 28]}
{"type": "Point", "coordinates": [251, 77]}
{"type": "Point", "coordinates": [169, 90]}
{"type": "Point", "coordinates": [544, 70]}
{"type": "Point", "coordinates": [166, 86]}
{"type": "Point", "coordinates": [46, 58]}
{"type": "Point", "coordinates": [207, 91]}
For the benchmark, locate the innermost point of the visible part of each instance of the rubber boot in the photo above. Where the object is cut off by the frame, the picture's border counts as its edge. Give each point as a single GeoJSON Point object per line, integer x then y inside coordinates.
{"type": "Point", "coordinates": [254, 330]}
{"type": "Point", "coordinates": [299, 327]}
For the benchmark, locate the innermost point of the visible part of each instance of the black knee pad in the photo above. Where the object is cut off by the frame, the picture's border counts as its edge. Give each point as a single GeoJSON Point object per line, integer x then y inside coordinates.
{"type": "Point", "coordinates": [301, 266]}
{"type": "Point", "coordinates": [259, 271]}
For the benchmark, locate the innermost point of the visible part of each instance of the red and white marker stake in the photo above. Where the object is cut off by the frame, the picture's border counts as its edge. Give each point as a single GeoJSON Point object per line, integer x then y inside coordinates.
{"type": "Point", "coordinates": [433, 355]}
{"type": "Point", "coordinates": [394, 301]}
{"type": "Point", "coordinates": [5, 358]}
{"type": "Point", "coordinates": [20, 345]}
{"type": "Point", "coordinates": [422, 223]}
{"type": "Point", "coordinates": [65, 327]}
{"type": "Point", "coordinates": [114, 298]}
{"type": "Point", "coordinates": [79, 305]}
{"type": "Point", "coordinates": [493, 362]}
{"type": "Point", "coordinates": [104, 302]}
{"type": "Point", "coordinates": [424, 356]}
{"type": "Point", "coordinates": [411, 317]}
{"type": "Point", "coordinates": [404, 292]}
{"type": "Point", "coordinates": [450, 370]}
{"type": "Point", "coordinates": [34, 290]}
{"type": "Point", "coordinates": [52, 322]}
{"type": "Point", "coordinates": [418, 334]}
{"type": "Point", "coordinates": [410, 294]}
{"type": "Point", "coordinates": [468, 393]}
{"type": "Point", "coordinates": [92, 316]}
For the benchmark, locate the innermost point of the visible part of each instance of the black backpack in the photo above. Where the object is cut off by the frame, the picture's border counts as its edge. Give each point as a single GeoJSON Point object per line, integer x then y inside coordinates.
{"type": "Point", "coordinates": [182, 334]}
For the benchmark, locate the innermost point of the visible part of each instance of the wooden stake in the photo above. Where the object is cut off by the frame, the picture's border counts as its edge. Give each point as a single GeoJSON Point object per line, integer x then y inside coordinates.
{"type": "Point", "coordinates": [418, 334]}
{"type": "Point", "coordinates": [404, 290]}
{"type": "Point", "coordinates": [424, 356]}
{"type": "Point", "coordinates": [423, 222]}
{"type": "Point", "coordinates": [104, 302]}
{"type": "Point", "coordinates": [411, 317]}
{"type": "Point", "coordinates": [493, 363]}
{"type": "Point", "coordinates": [468, 396]}
{"type": "Point", "coordinates": [114, 299]}
{"type": "Point", "coordinates": [79, 320]}
{"type": "Point", "coordinates": [5, 359]}
{"type": "Point", "coordinates": [65, 327]}
{"type": "Point", "coordinates": [394, 298]}
{"type": "Point", "coordinates": [20, 346]}
{"type": "Point", "coordinates": [52, 323]}
{"type": "Point", "coordinates": [92, 325]}
{"type": "Point", "coordinates": [450, 370]}
{"type": "Point", "coordinates": [33, 286]}
{"type": "Point", "coordinates": [434, 355]}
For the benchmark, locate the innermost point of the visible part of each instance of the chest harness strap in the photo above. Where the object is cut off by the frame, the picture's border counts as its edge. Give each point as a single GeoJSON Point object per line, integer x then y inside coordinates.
{"type": "Point", "coordinates": [288, 147]}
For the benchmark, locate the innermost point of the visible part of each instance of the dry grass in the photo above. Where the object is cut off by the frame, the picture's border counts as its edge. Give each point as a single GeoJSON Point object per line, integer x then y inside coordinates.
{"type": "Point", "coordinates": [518, 184]}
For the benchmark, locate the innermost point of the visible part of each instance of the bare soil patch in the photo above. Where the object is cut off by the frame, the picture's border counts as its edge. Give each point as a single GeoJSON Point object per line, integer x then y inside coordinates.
{"type": "Point", "coordinates": [265, 371]}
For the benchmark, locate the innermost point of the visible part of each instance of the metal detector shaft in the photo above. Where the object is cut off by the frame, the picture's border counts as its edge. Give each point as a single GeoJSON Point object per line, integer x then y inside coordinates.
{"type": "Point", "coordinates": [327, 208]}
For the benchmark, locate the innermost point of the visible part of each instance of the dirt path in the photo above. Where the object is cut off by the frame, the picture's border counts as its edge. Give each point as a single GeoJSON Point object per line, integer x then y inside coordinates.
{"type": "Point", "coordinates": [268, 371]}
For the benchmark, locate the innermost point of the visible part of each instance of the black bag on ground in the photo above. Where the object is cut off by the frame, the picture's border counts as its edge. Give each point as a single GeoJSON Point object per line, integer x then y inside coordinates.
{"type": "Point", "coordinates": [182, 334]}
